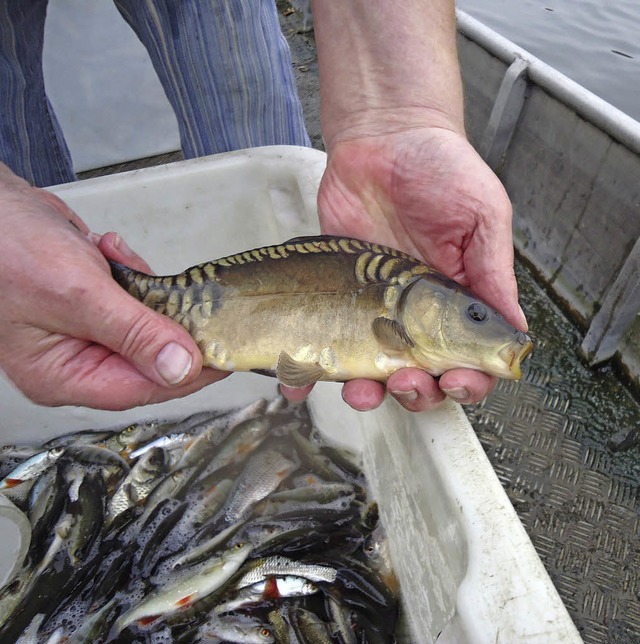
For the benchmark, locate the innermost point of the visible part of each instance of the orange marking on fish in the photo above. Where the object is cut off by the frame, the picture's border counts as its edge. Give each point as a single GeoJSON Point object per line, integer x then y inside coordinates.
{"type": "Point", "coordinates": [271, 590]}
{"type": "Point", "coordinates": [12, 482]}
{"type": "Point", "coordinates": [145, 621]}
{"type": "Point", "coordinates": [185, 601]}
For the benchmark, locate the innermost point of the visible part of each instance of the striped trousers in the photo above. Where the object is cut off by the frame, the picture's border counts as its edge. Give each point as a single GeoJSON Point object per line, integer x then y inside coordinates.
{"type": "Point", "coordinates": [224, 65]}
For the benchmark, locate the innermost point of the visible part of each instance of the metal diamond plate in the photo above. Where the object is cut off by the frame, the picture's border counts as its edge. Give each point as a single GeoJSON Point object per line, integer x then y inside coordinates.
{"type": "Point", "coordinates": [546, 437]}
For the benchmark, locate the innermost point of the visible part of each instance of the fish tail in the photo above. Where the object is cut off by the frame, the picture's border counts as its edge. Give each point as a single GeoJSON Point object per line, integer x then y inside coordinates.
{"type": "Point", "coordinates": [150, 290]}
{"type": "Point", "coordinates": [180, 297]}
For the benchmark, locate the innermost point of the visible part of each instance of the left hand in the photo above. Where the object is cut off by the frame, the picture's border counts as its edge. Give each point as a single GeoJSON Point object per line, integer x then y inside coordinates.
{"type": "Point", "coordinates": [424, 190]}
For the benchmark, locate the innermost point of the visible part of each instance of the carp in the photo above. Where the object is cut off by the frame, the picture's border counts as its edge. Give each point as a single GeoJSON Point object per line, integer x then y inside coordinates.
{"type": "Point", "coordinates": [331, 308]}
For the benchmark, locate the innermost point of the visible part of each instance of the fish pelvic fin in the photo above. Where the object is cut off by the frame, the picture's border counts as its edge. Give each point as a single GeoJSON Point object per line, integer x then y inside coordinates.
{"type": "Point", "coordinates": [294, 373]}
{"type": "Point", "coordinates": [391, 334]}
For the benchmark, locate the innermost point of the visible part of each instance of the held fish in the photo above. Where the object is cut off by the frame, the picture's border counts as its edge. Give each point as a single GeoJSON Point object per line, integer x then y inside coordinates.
{"type": "Point", "coordinates": [331, 308]}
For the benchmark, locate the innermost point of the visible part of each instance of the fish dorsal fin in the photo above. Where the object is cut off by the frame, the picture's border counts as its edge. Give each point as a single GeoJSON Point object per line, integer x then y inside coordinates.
{"type": "Point", "coordinates": [295, 373]}
{"type": "Point", "coordinates": [391, 334]}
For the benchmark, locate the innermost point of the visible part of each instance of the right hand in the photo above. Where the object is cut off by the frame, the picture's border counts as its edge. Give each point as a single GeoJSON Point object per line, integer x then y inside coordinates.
{"type": "Point", "coordinates": [69, 334]}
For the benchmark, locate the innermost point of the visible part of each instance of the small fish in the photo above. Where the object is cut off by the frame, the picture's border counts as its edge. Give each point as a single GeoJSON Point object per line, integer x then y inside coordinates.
{"type": "Point", "coordinates": [239, 629]}
{"type": "Point", "coordinates": [330, 308]}
{"type": "Point", "coordinates": [46, 500]}
{"type": "Point", "coordinates": [187, 590]}
{"type": "Point", "coordinates": [209, 500]}
{"type": "Point", "coordinates": [12, 455]}
{"type": "Point", "coordinates": [309, 628]}
{"type": "Point", "coordinates": [207, 548]}
{"type": "Point", "coordinates": [174, 442]}
{"type": "Point", "coordinates": [137, 485]}
{"type": "Point", "coordinates": [244, 439]}
{"type": "Point", "coordinates": [126, 440]}
{"type": "Point", "coordinates": [212, 431]}
{"type": "Point", "coordinates": [329, 495]}
{"type": "Point", "coordinates": [84, 437]}
{"type": "Point", "coordinates": [341, 620]}
{"type": "Point", "coordinates": [269, 589]}
{"type": "Point", "coordinates": [263, 473]}
{"type": "Point", "coordinates": [111, 462]}
{"type": "Point", "coordinates": [93, 624]}
{"type": "Point", "coordinates": [277, 566]}
{"type": "Point", "coordinates": [32, 467]}
{"type": "Point", "coordinates": [171, 486]}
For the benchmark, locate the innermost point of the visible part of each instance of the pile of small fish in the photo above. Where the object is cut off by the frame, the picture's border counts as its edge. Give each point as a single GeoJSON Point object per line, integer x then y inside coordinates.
{"type": "Point", "coordinates": [242, 526]}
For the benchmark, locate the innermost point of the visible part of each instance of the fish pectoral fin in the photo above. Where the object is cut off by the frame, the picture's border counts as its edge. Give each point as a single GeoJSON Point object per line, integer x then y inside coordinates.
{"type": "Point", "coordinates": [294, 373]}
{"type": "Point", "coordinates": [391, 334]}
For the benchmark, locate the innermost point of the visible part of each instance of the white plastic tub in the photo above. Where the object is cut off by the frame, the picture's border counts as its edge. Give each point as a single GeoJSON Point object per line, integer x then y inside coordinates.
{"type": "Point", "coordinates": [468, 570]}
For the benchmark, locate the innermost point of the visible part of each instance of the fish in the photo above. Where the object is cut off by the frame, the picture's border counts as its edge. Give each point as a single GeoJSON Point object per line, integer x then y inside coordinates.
{"type": "Point", "coordinates": [126, 440]}
{"type": "Point", "coordinates": [232, 628]}
{"type": "Point", "coordinates": [31, 468]}
{"type": "Point", "coordinates": [278, 566]}
{"type": "Point", "coordinates": [262, 475]}
{"type": "Point", "coordinates": [186, 589]}
{"type": "Point", "coordinates": [333, 309]}
{"type": "Point", "coordinates": [268, 589]}
{"type": "Point", "coordinates": [240, 516]}
{"type": "Point", "coordinates": [12, 455]}
{"type": "Point", "coordinates": [309, 627]}
{"type": "Point", "coordinates": [140, 481]}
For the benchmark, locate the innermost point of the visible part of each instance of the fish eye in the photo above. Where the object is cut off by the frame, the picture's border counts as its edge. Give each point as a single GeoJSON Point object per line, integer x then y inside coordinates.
{"type": "Point", "coordinates": [477, 312]}
{"type": "Point", "coordinates": [265, 632]}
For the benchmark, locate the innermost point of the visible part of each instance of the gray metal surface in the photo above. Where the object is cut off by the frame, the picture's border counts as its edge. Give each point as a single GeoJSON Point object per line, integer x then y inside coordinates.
{"type": "Point", "coordinates": [562, 443]}
{"type": "Point", "coordinates": [572, 170]}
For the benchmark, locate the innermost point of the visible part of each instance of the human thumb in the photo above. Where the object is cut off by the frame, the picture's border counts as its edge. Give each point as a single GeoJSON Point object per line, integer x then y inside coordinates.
{"type": "Point", "coordinates": [157, 346]}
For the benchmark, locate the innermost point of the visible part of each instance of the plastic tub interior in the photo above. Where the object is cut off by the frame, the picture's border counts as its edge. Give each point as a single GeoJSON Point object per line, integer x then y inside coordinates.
{"type": "Point", "coordinates": [467, 569]}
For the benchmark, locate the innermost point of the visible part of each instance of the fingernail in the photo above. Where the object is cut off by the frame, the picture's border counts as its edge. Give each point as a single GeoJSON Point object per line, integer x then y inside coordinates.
{"type": "Point", "coordinates": [405, 396]}
{"type": "Point", "coordinates": [122, 246]}
{"type": "Point", "coordinates": [173, 363]}
{"type": "Point", "coordinates": [523, 317]}
{"type": "Point", "coordinates": [459, 394]}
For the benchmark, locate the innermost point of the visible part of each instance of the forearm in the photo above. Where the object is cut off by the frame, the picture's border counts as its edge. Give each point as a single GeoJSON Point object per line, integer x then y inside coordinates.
{"type": "Point", "coordinates": [386, 66]}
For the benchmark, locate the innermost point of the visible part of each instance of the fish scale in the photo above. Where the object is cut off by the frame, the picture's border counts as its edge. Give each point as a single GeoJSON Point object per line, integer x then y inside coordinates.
{"type": "Point", "coordinates": [330, 308]}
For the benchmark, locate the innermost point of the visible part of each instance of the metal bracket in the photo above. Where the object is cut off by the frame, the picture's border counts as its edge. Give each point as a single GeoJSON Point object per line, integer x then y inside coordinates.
{"type": "Point", "coordinates": [619, 308]}
{"type": "Point", "coordinates": [505, 113]}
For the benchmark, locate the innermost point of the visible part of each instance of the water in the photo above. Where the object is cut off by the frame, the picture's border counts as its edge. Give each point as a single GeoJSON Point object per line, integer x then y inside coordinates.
{"type": "Point", "coordinates": [594, 43]}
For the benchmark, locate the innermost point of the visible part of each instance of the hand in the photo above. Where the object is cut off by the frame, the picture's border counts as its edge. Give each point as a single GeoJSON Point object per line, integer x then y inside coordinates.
{"type": "Point", "coordinates": [427, 192]}
{"type": "Point", "coordinates": [68, 333]}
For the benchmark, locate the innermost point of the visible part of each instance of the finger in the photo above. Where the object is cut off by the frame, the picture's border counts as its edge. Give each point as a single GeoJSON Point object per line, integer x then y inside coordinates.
{"type": "Point", "coordinates": [466, 386]}
{"type": "Point", "coordinates": [500, 290]}
{"type": "Point", "coordinates": [95, 377]}
{"type": "Point", "coordinates": [489, 265]}
{"type": "Point", "coordinates": [157, 346]}
{"type": "Point", "coordinates": [415, 389]}
{"type": "Point", "coordinates": [363, 395]}
{"type": "Point", "coordinates": [295, 394]}
{"type": "Point", "coordinates": [114, 247]}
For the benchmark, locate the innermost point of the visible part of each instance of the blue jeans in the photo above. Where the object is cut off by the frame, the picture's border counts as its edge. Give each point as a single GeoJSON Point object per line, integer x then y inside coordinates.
{"type": "Point", "coordinates": [224, 65]}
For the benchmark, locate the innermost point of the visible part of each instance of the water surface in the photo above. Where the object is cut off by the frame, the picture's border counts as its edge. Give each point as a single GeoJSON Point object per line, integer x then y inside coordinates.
{"type": "Point", "coordinates": [594, 43]}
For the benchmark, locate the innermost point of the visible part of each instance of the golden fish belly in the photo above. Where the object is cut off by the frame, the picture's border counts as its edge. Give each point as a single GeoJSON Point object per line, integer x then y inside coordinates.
{"type": "Point", "coordinates": [329, 329]}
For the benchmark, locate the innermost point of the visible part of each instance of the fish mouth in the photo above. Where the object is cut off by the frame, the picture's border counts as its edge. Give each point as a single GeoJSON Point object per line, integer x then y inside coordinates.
{"type": "Point", "coordinates": [515, 352]}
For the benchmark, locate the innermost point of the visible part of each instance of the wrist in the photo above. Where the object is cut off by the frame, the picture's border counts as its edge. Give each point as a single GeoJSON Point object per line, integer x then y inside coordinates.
{"type": "Point", "coordinates": [377, 122]}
